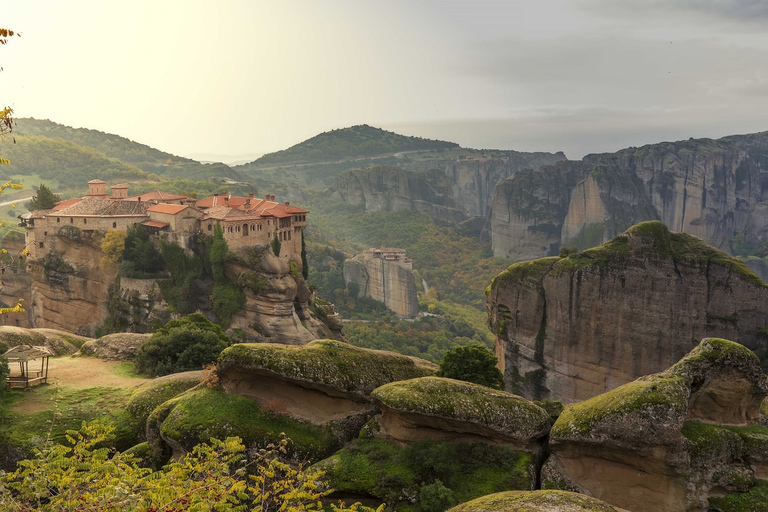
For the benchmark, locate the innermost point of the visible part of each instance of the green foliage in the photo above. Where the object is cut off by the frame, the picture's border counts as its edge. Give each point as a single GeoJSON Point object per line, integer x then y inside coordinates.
{"type": "Point", "coordinates": [180, 290]}
{"type": "Point", "coordinates": [43, 200]}
{"type": "Point", "coordinates": [184, 344]}
{"type": "Point", "coordinates": [84, 475]}
{"type": "Point", "coordinates": [142, 257]}
{"type": "Point", "coordinates": [474, 363]}
{"type": "Point", "coordinates": [276, 246]}
{"type": "Point", "coordinates": [754, 500]}
{"type": "Point", "coordinates": [436, 497]}
{"type": "Point", "coordinates": [228, 298]}
{"type": "Point", "coordinates": [4, 369]}
{"type": "Point", "coordinates": [381, 468]}
{"type": "Point", "coordinates": [113, 246]}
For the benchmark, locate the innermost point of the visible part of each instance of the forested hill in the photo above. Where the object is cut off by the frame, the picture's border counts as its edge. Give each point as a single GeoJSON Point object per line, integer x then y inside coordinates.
{"type": "Point", "coordinates": [76, 155]}
{"type": "Point", "coordinates": [360, 141]}
{"type": "Point", "coordinates": [113, 146]}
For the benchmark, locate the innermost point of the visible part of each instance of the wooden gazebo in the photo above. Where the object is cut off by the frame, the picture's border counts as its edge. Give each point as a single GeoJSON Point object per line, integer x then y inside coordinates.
{"type": "Point", "coordinates": [24, 376]}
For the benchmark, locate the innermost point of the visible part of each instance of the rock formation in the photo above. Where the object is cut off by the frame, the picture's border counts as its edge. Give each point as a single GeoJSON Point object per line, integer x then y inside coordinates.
{"type": "Point", "coordinates": [713, 189]}
{"type": "Point", "coordinates": [324, 382]}
{"type": "Point", "coordinates": [686, 439]}
{"type": "Point", "coordinates": [122, 346]}
{"type": "Point", "coordinates": [572, 327]}
{"type": "Point", "coordinates": [453, 410]}
{"type": "Point", "coordinates": [451, 190]}
{"type": "Point", "coordinates": [535, 501]}
{"type": "Point", "coordinates": [385, 275]}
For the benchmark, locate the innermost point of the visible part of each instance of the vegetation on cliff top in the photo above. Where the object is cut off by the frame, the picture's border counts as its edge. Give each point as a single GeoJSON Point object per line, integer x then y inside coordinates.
{"type": "Point", "coordinates": [535, 501]}
{"type": "Point", "coordinates": [473, 363]}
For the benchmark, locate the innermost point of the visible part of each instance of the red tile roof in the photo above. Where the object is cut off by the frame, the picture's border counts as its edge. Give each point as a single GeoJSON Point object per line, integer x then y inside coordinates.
{"type": "Point", "coordinates": [171, 209]}
{"type": "Point", "coordinates": [65, 204]}
{"type": "Point", "coordinates": [232, 201]}
{"type": "Point", "coordinates": [156, 195]}
{"type": "Point", "coordinates": [155, 224]}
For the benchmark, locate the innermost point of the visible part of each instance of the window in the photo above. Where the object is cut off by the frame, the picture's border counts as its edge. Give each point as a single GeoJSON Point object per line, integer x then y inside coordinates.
{"type": "Point", "coordinates": [46, 233]}
{"type": "Point", "coordinates": [114, 224]}
{"type": "Point", "coordinates": [58, 220]}
{"type": "Point", "coordinates": [42, 245]}
{"type": "Point", "coordinates": [85, 221]}
{"type": "Point", "coordinates": [210, 227]}
{"type": "Point", "coordinates": [71, 220]}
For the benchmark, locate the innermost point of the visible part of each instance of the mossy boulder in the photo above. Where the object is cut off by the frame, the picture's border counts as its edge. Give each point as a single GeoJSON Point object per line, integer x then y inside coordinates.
{"type": "Point", "coordinates": [435, 406]}
{"type": "Point", "coordinates": [327, 363]}
{"type": "Point", "coordinates": [120, 346]}
{"type": "Point", "coordinates": [61, 343]}
{"type": "Point", "coordinates": [199, 414]}
{"type": "Point", "coordinates": [666, 441]}
{"type": "Point", "coordinates": [155, 392]}
{"type": "Point", "coordinates": [535, 501]}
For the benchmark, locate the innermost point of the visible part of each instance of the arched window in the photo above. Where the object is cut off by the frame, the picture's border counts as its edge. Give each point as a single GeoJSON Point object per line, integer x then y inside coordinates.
{"type": "Point", "coordinates": [210, 227]}
{"type": "Point", "coordinates": [85, 221]}
{"type": "Point", "coordinates": [114, 225]}
{"type": "Point", "coordinates": [245, 229]}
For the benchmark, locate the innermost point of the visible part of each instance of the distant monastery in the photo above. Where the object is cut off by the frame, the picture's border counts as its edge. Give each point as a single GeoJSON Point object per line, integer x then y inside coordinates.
{"type": "Point", "coordinates": [245, 221]}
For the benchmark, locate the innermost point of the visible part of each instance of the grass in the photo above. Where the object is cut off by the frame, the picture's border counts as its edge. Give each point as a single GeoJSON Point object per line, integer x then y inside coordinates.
{"type": "Point", "coordinates": [127, 370]}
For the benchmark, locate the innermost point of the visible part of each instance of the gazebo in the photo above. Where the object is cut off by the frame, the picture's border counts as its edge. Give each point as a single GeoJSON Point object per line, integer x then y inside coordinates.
{"type": "Point", "coordinates": [23, 354]}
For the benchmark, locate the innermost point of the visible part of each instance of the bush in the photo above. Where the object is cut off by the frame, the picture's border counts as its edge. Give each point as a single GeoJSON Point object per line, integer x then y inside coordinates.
{"type": "Point", "coordinates": [474, 363]}
{"type": "Point", "coordinates": [185, 344]}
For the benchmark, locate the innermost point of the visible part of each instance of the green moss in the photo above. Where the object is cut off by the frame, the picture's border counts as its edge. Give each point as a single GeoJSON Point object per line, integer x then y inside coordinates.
{"type": "Point", "coordinates": [715, 351]}
{"type": "Point", "coordinates": [203, 413]}
{"type": "Point", "coordinates": [148, 396]}
{"type": "Point", "coordinates": [534, 501]}
{"type": "Point", "coordinates": [434, 396]}
{"type": "Point", "coordinates": [589, 235]}
{"type": "Point", "coordinates": [711, 444]}
{"type": "Point", "coordinates": [381, 469]}
{"type": "Point", "coordinates": [332, 363]}
{"type": "Point", "coordinates": [640, 398]}
{"type": "Point", "coordinates": [526, 272]}
{"type": "Point", "coordinates": [755, 500]}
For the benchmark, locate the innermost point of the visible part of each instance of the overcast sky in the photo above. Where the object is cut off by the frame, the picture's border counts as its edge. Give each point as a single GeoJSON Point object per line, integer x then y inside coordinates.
{"type": "Point", "coordinates": [236, 78]}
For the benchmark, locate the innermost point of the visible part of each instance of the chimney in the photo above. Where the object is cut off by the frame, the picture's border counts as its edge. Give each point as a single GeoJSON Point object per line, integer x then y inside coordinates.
{"type": "Point", "coordinates": [250, 194]}
{"type": "Point", "coordinates": [266, 197]}
{"type": "Point", "coordinates": [287, 204]}
{"type": "Point", "coordinates": [216, 194]}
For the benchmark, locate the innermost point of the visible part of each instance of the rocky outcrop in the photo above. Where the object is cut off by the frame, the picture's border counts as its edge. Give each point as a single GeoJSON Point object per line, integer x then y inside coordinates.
{"type": "Point", "coordinates": [69, 290]}
{"type": "Point", "coordinates": [390, 281]}
{"type": "Point", "coordinates": [324, 382]}
{"type": "Point", "coordinates": [535, 501]}
{"type": "Point", "coordinates": [277, 299]}
{"type": "Point", "coordinates": [388, 189]}
{"type": "Point", "coordinates": [569, 328]}
{"type": "Point", "coordinates": [713, 189]}
{"type": "Point", "coordinates": [122, 346]}
{"type": "Point", "coordinates": [680, 440]}
{"type": "Point", "coordinates": [60, 343]}
{"type": "Point", "coordinates": [451, 410]}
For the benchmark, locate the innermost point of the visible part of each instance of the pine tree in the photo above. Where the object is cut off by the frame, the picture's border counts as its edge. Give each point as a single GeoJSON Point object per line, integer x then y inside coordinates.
{"type": "Point", "coordinates": [43, 200]}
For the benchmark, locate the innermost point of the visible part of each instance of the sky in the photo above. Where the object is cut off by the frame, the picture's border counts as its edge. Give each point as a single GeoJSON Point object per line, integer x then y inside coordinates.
{"type": "Point", "coordinates": [230, 79]}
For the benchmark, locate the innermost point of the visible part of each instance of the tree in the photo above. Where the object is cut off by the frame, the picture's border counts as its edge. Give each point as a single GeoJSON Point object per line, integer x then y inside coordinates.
{"type": "Point", "coordinates": [473, 363]}
{"type": "Point", "coordinates": [43, 200]}
{"type": "Point", "coordinates": [181, 345]}
{"type": "Point", "coordinates": [113, 246]}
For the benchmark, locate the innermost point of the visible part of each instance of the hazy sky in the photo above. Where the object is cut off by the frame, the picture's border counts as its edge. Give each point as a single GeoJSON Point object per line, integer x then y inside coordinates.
{"type": "Point", "coordinates": [244, 77]}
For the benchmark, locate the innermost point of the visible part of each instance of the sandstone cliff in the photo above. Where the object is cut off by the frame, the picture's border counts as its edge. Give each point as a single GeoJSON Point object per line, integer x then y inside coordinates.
{"type": "Point", "coordinates": [390, 282]}
{"type": "Point", "coordinates": [713, 189]}
{"type": "Point", "coordinates": [686, 439]}
{"type": "Point", "coordinates": [451, 190]}
{"type": "Point", "coordinates": [570, 328]}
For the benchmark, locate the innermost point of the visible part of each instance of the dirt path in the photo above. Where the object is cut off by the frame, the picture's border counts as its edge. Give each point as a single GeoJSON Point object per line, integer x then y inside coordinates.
{"type": "Point", "coordinates": [89, 372]}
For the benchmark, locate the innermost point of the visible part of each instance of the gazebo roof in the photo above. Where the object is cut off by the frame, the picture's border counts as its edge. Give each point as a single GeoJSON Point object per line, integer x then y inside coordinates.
{"type": "Point", "coordinates": [27, 353]}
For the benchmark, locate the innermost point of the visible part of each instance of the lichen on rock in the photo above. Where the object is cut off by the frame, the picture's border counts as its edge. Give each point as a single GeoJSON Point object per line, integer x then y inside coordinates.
{"type": "Point", "coordinates": [535, 501]}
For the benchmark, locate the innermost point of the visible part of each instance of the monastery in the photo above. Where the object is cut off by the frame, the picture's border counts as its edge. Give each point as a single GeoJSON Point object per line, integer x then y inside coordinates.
{"type": "Point", "coordinates": [245, 221]}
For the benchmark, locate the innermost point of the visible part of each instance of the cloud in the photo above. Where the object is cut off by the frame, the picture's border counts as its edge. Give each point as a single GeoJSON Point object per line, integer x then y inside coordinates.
{"type": "Point", "coordinates": [751, 11]}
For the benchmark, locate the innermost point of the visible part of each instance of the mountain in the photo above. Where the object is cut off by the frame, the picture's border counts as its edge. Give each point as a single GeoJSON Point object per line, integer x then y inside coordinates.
{"type": "Point", "coordinates": [713, 189]}
{"type": "Point", "coordinates": [49, 149]}
{"type": "Point", "coordinates": [349, 143]}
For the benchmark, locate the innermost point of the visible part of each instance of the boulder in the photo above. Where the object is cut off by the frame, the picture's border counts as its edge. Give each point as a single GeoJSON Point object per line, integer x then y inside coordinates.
{"type": "Point", "coordinates": [535, 501]}
{"type": "Point", "coordinates": [669, 441]}
{"type": "Point", "coordinates": [61, 343]}
{"type": "Point", "coordinates": [120, 346]}
{"type": "Point", "coordinates": [157, 391]}
{"type": "Point", "coordinates": [569, 328]}
{"type": "Point", "coordinates": [447, 409]}
{"type": "Point", "coordinates": [325, 382]}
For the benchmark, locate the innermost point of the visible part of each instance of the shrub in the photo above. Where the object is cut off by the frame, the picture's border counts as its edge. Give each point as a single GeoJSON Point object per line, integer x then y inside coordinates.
{"type": "Point", "coordinates": [473, 363]}
{"type": "Point", "coordinates": [185, 344]}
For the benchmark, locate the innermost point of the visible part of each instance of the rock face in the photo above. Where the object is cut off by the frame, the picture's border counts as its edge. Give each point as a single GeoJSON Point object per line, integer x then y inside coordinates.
{"type": "Point", "coordinates": [388, 189]}
{"type": "Point", "coordinates": [680, 440]}
{"type": "Point", "coordinates": [385, 275]}
{"type": "Point", "coordinates": [120, 346]}
{"type": "Point", "coordinates": [324, 382]}
{"type": "Point", "coordinates": [450, 190]}
{"type": "Point", "coordinates": [535, 501]}
{"type": "Point", "coordinates": [451, 410]}
{"type": "Point", "coordinates": [570, 328]}
{"type": "Point", "coordinates": [713, 189]}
